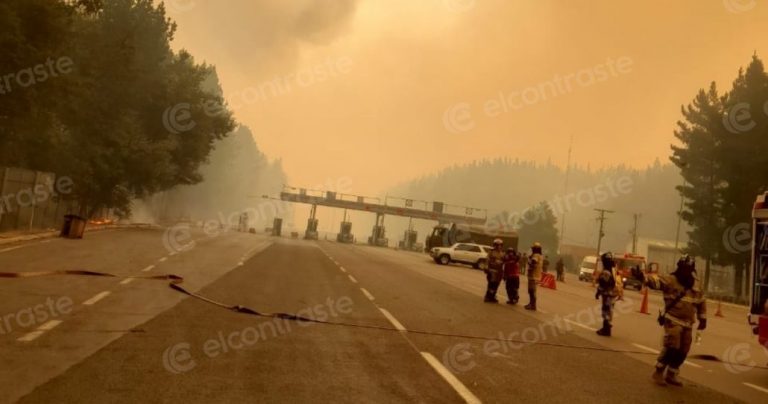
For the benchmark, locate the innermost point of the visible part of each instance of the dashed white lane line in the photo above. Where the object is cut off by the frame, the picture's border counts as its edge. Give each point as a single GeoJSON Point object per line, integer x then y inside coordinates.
{"type": "Point", "coordinates": [162, 259]}
{"type": "Point", "coordinates": [96, 298]}
{"type": "Point", "coordinates": [586, 327]}
{"type": "Point", "coordinates": [172, 253]}
{"type": "Point", "coordinates": [457, 385]}
{"type": "Point", "coordinates": [392, 320]}
{"type": "Point", "coordinates": [147, 269]}
{"type": "Point", "coordinates": [656, 351]}
{"type": "Point", "coordinates": [126, 281]}
{"type": "Point", "coordinates": [352, 278]}
{"type": "Point", "coordinates": [12, 248]}
{"type": "Point", "coordinates": [645, 348]}
{"type": "Point", "coordinates": [342, 269]}
{"type": "Point", "coordinates": [368, 294]}
{"type": "Point", "coordinates": [756, 387]}
{"type": "Point", "coordinates": [39, 331]}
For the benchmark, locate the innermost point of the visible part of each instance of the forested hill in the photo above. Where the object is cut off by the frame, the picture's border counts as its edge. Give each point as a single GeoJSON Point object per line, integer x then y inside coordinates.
{"type": "Point", "coordinates": [507, 187]}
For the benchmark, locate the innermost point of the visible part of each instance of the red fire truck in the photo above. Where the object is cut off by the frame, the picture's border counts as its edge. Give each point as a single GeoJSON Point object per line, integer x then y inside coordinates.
{"type": "Point", "coordinates": [759, 270]}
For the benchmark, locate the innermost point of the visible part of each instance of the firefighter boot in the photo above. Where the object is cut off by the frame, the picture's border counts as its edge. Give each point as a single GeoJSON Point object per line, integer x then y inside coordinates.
{"type": "Point", "coordinates": [672, 377]}
{"type": "Point", "coordinates": [658, 375]}
{"type": "Point", "coordinates": [606, 330]}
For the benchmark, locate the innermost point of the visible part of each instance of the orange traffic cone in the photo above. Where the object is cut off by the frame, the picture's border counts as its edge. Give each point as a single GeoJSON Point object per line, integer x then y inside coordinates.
{"type": "Point", "coordinates": [644, 304]}
{"type": "Point", "coordinates": [719, 312]}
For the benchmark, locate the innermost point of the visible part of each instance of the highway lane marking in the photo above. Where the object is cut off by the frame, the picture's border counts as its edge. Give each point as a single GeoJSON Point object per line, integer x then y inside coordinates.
{"type": "Point", "coordinates": [756, 387]}
{"type": "Point", "coordinates": [342, 269]}
{"type": "Point", "coordinates": [352, 278]}
{"type": "Point", "coordinates": [126, 281]}
{"type": "Point", "coordinates": [172, 253]}
{"type": "Point", "coordinates": [446, 374]}
{"type": "Point", "coordinates": [645, 348]}
{"type": "Point", "coordinates": [586, 327]}
{"type": "Point", "coordinates": [162, 259]}
{"type": "Point", "coordinates": [147, 269]}
{"type": "Point", "coordinates": [93, 300]}
{"type": "Point", "coordinates": [392, 320]}
{"type": "Point", "coordinates": [12, 248]}
{"type": "Point", "coordinates": [649, 349]}
{"type": "Point", "coordinates": [39, 331]}
{"type": "Point", "coordinates": [368, 294]}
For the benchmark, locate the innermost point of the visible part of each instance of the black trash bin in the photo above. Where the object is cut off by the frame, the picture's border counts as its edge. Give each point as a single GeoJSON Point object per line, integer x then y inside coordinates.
{"type": "Point", "coordinates": [73, 227]}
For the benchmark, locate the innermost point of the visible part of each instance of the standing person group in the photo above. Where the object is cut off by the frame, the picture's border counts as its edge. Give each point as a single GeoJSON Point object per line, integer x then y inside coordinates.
{"type": "Point", "coordinates": [507, 266]}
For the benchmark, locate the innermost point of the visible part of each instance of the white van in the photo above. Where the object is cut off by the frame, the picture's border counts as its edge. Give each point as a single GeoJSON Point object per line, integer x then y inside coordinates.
{"type": "Point", "coordinates": [587, 269]}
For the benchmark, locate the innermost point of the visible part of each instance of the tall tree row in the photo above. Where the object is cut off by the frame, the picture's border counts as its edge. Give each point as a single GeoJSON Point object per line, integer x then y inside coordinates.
{"type": "Point", "coordinates": [723, 156]}
{"type": "Point", "coordinates": [126, 118]}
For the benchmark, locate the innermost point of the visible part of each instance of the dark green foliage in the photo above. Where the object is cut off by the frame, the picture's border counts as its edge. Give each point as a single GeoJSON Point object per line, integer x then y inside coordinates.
{"type": "Point", "coordinates": [108, 122]}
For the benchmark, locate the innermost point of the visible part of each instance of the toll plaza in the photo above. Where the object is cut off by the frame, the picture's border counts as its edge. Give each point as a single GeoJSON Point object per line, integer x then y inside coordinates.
{"type": "Point", "coordinates": [392, 206]}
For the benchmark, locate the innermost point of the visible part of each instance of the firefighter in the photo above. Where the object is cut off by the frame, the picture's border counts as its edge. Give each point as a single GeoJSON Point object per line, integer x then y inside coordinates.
{"type": "Point", "coordinates": [684, 302]}
{"type": "Point", "coordinates": [560, 269]}
{"type": "Point", "coordinates": [608, 291]}
{"type": "Point", "coordinates": [495, 270]}
{"type": "Point", "coordinates": [535, 266]}
{"type": "Point", "coordinates": [512, 275]}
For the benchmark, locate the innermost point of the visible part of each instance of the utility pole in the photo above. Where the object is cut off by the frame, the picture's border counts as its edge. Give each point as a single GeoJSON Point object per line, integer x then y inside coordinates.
{"type": "Point", "coordinates": [600, 233]}
{"type": "Point", "coordinates": [636, 217]}
{"type": "Point", "coordinates": [565, 193]}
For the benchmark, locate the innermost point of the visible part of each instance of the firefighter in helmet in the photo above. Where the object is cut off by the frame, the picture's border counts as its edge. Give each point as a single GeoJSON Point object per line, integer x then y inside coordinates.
{"type": "Point", "coordinates": [684, 303]}
{"type": "Point", "coordinates": [495, 270]}
{"type": "Point", "coordinates": [608, 291]}
{"type": "Point", "coordinates": [535, 264]}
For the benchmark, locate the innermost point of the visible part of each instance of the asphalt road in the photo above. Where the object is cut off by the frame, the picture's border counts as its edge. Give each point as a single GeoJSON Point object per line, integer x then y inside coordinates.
{"type": "Point", "coordinates": [405, 330]}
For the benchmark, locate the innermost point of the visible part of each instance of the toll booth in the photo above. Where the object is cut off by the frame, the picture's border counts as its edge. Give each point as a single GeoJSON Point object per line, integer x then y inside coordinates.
{"type": "Point", "coordinates": [277, 227]}
{"type": "Point", "coordinates": [311, 232]}
{"type": "Point", "coordinates": [378, 235]}
{"type": "Point", "coordinates": [345, 233]}
{"type": "Point", "coordinates": [409, 241]}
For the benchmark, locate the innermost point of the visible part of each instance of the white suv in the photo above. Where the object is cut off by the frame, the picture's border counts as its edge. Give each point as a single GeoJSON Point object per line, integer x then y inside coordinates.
{"type": "Point", "coordinates": [464, 253]}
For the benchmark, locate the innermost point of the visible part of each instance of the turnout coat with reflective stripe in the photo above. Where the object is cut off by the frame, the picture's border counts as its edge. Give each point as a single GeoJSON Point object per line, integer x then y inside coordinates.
{"type": "Point", "coordinates": [692, 305]}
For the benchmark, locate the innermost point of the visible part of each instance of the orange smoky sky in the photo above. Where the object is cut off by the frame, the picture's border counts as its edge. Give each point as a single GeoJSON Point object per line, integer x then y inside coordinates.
{"type": "Point", "coordinates": [377, 92]}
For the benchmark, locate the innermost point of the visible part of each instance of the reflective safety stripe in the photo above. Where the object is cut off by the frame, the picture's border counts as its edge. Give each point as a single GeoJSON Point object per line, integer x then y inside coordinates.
{"type": "Point", "coordinates": [693, 300]}
{"type": "Point", "coordinates": [686, 324]}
